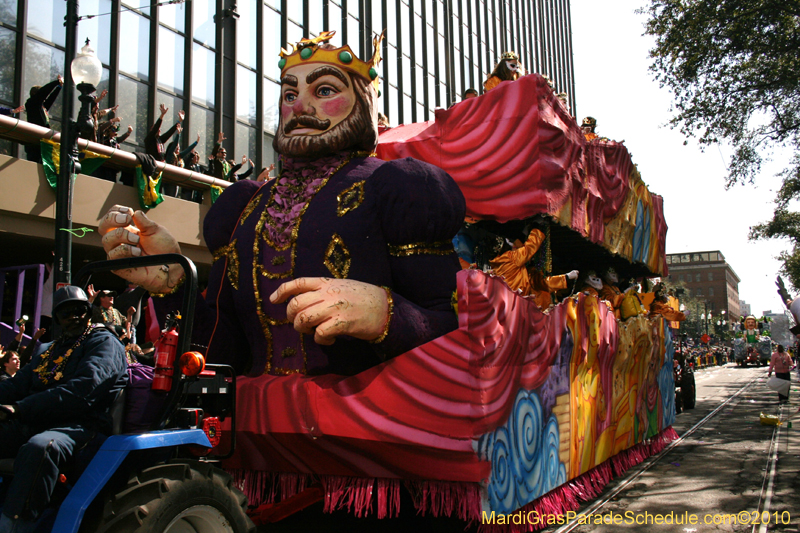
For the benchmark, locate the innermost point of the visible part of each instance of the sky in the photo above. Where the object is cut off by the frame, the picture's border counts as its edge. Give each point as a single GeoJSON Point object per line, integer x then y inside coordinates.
{"type": "Point", "coordinates": [613, 85]}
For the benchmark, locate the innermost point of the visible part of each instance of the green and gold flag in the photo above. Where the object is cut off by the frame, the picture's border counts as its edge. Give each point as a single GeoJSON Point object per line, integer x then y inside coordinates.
{"type": "Point", "coordinates": [149, 189]}
{"type": "Point", "coordinates": [51, 161]}
{"type": "Point", "coordinates": [215, 192]}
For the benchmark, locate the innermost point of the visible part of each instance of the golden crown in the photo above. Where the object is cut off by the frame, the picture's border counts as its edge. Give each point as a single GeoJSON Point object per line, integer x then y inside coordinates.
{"type": "Point", "coordinates": [308, 51]}
{"type": "Point", "coordinates": [590, 121]}
{"type": "Point", "coordinates": [509, 56]}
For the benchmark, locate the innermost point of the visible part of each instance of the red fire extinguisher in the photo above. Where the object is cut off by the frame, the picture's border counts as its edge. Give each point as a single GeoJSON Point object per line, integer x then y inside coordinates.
{"type": "Point", "coordinates": [166, 350]}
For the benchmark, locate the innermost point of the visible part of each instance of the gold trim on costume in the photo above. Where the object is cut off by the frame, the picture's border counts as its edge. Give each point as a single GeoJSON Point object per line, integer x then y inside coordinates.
{"type": "Point", "coordinates": [337, 257]}
{"type": "Point", "coordinates": [390, 301]}
{"type": "Point", "coordinates": [232, 255]}
{"type": "Point", "coordinates": [251, 205]}
{"type": "Point", "coordinates": [350, 198]}
{"type": "Point", "coordinates": [288, 352]}
{"type": "Point", "coordinates": [266, 321]}
{"type": "Point", "coordinates": [421, 248]}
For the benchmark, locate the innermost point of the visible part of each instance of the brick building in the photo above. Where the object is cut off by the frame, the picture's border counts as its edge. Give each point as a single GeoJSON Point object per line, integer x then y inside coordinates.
{"type": "Point", "coordinates": [707, 277]}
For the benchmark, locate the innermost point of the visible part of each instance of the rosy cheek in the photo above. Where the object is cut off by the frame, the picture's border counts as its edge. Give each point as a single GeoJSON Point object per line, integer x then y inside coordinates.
{"type": "Point", "coordinates": [335, 107]}
{"type": "Point", "coordinates": [286, 110]}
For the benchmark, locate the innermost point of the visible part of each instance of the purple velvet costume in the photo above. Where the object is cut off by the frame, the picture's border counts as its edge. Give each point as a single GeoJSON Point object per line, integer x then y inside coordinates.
{"type": "Point", "coordinates": [388, 224]}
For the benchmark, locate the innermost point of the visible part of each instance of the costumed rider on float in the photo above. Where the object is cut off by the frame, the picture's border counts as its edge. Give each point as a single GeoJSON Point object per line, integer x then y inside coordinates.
{"type": "Point", "coordinates": [359, 248]}
{"type": "Point", "coordinates": [507, 69]}
{"type": "Point", "coordinates": [751, 336]}
{"type": "Point", "coordinates": [56, 405]}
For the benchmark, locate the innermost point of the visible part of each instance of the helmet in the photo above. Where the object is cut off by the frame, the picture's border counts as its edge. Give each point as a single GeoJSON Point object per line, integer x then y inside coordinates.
{"type": "Point", "coordinates": [68, 294]}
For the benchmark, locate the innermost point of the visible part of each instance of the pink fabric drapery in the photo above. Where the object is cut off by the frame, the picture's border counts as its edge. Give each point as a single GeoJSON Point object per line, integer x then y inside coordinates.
{"type": "Point", "coordinates": [516, 152]}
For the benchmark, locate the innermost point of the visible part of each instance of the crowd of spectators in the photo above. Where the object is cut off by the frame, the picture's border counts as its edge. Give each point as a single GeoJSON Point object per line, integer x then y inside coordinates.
{"type": "Point", "coordinates": [162, 148]}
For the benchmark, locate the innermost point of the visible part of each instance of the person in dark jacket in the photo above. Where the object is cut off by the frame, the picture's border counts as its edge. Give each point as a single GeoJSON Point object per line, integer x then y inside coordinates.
{"type": "Point", "coordinates": [56, 405]}
{"type": "Point", "coordinates": [36, 107]}
{"type": "Point", "coordinates": [154, 142]}
{"type": "Point", "coordinates": [192, 162]}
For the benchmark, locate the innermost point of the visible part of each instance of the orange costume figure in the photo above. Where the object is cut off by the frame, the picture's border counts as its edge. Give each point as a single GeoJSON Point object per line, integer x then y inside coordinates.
{"type": "Point", "coordinates": [610, 291]}
{"type": "Point", "coordinates": [587, 127]}
{"type": "Point", "coordinates": [511, 265]}
{"type": "Point", "coordinates": [660, 305]}
{"type": "Point", "coordinates": [507, 69]}
{"type": "Point", "coordinates": [592, 285]}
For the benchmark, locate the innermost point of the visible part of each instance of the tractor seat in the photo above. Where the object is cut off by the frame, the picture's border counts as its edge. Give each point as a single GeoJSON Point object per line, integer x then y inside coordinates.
{"type": "Point", "coordinates": [117, 413]}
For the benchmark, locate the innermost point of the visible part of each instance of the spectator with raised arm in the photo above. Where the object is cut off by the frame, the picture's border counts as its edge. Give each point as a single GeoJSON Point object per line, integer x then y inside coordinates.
{"type": "Point", "coordinates": [37, 107]}
{"type": "Point", "coordinates": [154, 141]}
{"type": "Point", "coordinates": [266, 173]}
{"type": "Point", "coordinates": [219, 166]}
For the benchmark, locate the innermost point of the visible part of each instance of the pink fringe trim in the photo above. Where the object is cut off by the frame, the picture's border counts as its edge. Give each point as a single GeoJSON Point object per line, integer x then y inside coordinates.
{"type": "Point", "coordinates": [444, 498]}
{"type": "Point", "coordinates": [269, 487]}
{"type": "Point", "coordinates": [584, 488]}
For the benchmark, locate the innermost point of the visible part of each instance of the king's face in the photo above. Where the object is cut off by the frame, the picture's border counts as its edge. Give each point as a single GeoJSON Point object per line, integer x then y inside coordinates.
{"type": "Point", "coordinates": [315, 97]}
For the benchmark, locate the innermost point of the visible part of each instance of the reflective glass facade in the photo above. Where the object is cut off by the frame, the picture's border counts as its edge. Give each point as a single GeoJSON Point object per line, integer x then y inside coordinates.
{"type": "Point", "coordinates": [218, 59]}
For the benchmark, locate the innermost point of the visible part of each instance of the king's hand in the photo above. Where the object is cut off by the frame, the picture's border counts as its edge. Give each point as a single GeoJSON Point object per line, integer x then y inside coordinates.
{"type": "Point", "coordinates": [131, 234]}
{"type": "Point", "coordinates": [328, 308]}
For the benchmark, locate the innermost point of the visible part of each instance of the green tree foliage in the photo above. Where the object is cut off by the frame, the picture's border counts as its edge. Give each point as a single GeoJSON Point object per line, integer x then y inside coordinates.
{"type": "Point", "coordinates": [734, 69]}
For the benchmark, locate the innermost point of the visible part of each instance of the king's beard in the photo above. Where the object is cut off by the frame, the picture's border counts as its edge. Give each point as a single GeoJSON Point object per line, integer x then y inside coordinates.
{"type": "Point", "coordinates": [356, 132]}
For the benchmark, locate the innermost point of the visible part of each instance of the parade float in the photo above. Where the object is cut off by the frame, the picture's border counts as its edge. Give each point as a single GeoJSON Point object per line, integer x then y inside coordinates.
{"type": "Point", "coordinates": [518, 409]}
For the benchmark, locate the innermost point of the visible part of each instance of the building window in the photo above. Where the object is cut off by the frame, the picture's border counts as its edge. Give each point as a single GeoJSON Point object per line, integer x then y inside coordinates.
{"type": "Point", "coordinates": [680, 277]}
{"type": "Point", "coordinates": [697, 277]}
{"type": "Point", "coordinates": [711, 291]}
{"type": "Point", "coordinates": [710, 276]}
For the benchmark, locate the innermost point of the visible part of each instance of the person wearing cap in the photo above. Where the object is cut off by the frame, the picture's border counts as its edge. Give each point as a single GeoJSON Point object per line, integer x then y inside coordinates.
{"type": "Point", "coordinates": [341, 262]}
{"type": "Point", "coordinates": [103, 311]}
{"type": "Point", "coordinates": [56, 405]}
{"type": "Point", "coordinates": [507, 69]}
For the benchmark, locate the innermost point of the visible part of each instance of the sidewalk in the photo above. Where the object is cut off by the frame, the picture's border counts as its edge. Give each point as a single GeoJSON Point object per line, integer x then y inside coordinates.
{"type": "Point", "coordinates": [786, 489]}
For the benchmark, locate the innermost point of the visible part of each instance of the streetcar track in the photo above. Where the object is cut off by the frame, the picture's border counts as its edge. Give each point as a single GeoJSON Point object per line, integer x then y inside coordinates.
{"type": "Point", "coordinates": [644, 467]}
{"type": "Point", "coordinates": [772, 457]}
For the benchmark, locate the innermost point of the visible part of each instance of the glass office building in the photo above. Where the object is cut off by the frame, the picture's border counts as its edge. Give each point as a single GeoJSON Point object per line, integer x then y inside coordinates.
{"type": "Point", "coordinates": [218, 59]}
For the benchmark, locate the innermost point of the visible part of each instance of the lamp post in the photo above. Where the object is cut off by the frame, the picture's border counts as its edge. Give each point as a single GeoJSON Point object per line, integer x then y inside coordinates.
{"type": "Point", "coordinates": [706, 318]}
{"type": "Point", "coordinates": [85, 71]}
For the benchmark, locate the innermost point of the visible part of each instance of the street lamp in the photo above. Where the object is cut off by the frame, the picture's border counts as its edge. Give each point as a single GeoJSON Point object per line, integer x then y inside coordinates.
{"type": "Point", "coordinates": [85, 71]}
{"type": "Point", "coordinates": [86, 74]}
{"type": "Point", "coordinates": [706, 317]}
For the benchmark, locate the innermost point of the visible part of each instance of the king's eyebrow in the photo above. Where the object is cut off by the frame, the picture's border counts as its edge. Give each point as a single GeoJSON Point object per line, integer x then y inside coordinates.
{"type": "Point", "coordinates": [326, 71]}
{"type": "Point", "coordinates": [289, 80]}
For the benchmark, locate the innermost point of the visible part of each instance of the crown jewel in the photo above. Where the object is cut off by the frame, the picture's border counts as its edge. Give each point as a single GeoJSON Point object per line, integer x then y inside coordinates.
{"type": "Point", "coordinates": [309, 51]}
{"type": "Point", "coordinates": [509, 56]}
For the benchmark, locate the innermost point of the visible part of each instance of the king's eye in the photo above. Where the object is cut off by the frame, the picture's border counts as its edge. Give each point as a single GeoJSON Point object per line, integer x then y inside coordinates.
{"type": "Point", "coordinates": [326, 90]}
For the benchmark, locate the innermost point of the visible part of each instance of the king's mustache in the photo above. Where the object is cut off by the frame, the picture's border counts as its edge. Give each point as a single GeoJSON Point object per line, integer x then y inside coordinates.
{"type": "Point", "coordinates": [306, 121]}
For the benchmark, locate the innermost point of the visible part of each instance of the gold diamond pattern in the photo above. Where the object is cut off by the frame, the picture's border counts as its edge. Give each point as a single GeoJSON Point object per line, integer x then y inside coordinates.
{"type": "Point", "coordinates": [350, 198]}
{"type": "Point", "coordinates": [337, 257]}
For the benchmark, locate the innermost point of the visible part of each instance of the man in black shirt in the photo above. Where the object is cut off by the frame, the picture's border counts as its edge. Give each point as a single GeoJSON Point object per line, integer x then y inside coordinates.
{"type": "Point", "coordinates": [37, 106]}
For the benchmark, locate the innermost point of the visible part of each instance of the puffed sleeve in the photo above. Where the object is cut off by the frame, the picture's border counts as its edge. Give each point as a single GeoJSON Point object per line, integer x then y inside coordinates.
{"type": "Point", "coordinates": [421, 209]}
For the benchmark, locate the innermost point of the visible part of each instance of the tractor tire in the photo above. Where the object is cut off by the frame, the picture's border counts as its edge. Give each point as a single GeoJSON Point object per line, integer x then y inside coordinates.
{"type": "Point", "coordinates": [186, 496]}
